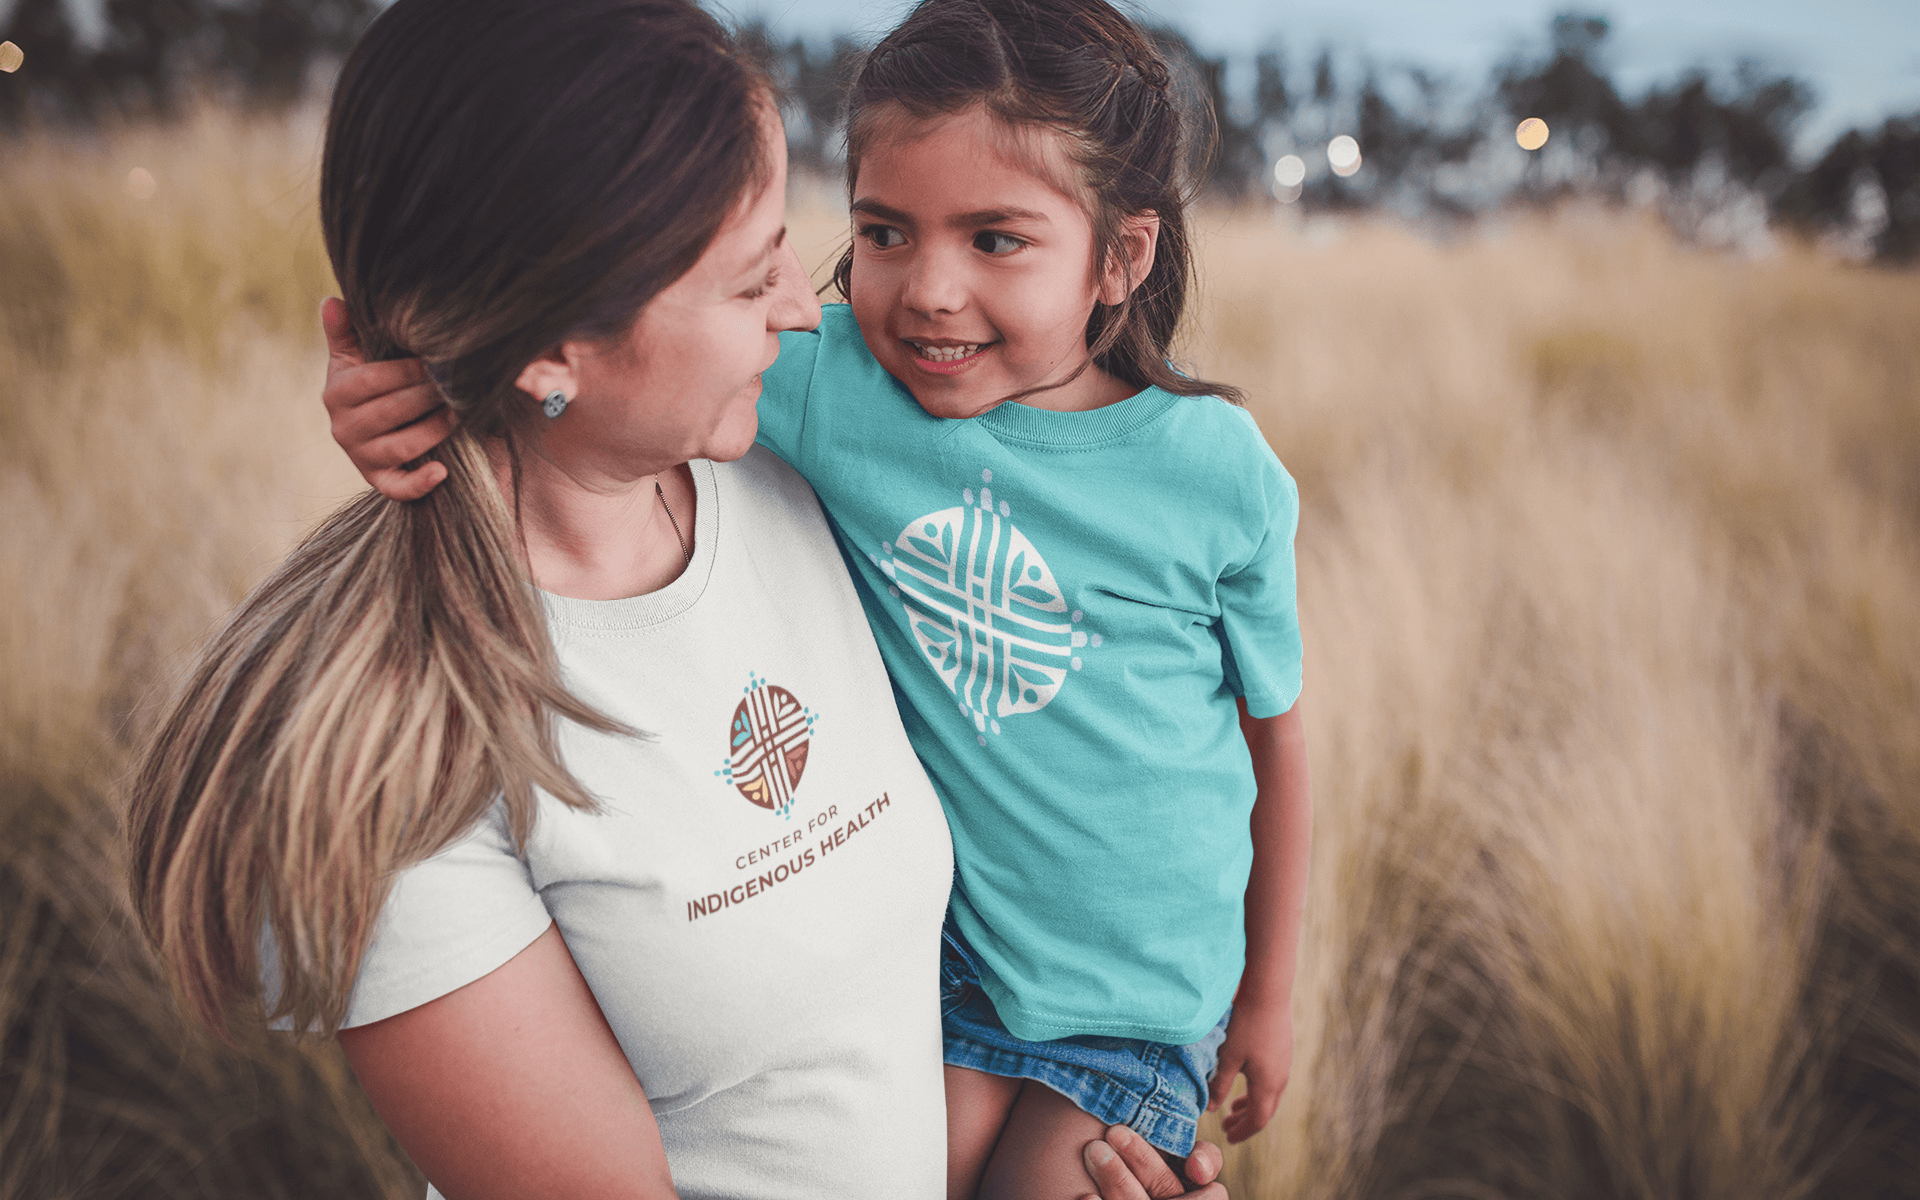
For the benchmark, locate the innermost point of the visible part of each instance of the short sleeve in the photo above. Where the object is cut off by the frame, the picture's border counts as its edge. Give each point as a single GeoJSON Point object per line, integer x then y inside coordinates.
{"type": "Point", "coordinates": [448, 920]}
{"type": "Point", "coordinates": [783, 395]}
{"type": "Point", "coordinates": [1259, 622]}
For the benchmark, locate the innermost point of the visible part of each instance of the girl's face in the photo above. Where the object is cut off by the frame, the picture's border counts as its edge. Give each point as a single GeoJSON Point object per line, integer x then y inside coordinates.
{"type": "Point", "coordinates": [972, 270]}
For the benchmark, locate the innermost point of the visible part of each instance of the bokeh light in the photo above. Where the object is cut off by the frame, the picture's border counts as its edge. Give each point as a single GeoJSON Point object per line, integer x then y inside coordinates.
{"type": "Point", "coordinates": [141, 184]}
{"type": "Point", "coordinates": [1343, 155]}
{"type": "Point", "coordinates": [11, 56]}
{"type": "Point", "coordinates": [1532, 134]}
{"type": "Point", "coordinates": [1290, 171]}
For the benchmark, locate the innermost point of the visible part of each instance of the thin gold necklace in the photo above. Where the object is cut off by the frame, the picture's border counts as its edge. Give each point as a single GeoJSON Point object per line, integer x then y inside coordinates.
{"type": "Point", "coordinates": [685, 550]}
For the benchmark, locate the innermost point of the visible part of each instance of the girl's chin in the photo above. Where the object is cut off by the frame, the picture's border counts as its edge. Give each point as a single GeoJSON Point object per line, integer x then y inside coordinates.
{"type": "Point", "coordinates": [958, 404]}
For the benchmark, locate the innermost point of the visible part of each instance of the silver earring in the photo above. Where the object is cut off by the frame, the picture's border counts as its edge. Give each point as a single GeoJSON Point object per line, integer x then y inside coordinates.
{"type": "Point", "coordinates": [554, 404]}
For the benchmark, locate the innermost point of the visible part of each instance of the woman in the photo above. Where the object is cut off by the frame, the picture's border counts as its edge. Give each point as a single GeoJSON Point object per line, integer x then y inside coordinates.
{"type": "Point", "coordinates": [684, 943]}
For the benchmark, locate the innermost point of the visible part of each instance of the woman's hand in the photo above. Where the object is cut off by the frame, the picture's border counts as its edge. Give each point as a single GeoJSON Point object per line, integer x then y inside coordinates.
{"type": "Point", "coordinates": [1259, 1045]}
{"type": "Point", "coordinates": [1125, 1166]}
{"type": "Point", "coordinates": [385, 414]}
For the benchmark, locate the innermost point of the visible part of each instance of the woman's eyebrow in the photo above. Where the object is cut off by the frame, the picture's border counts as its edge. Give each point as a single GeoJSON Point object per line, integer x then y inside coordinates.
{"type": "Point", "coordinates": [773, 244]}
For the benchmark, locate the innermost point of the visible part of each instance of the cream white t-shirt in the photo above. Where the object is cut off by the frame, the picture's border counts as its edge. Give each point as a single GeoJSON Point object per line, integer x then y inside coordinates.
{"type": "Point", "coordinates": [758, 908]}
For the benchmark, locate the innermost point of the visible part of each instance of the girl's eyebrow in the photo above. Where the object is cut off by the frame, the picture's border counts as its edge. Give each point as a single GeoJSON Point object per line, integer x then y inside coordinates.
{"type": "Point", "coordinates": [968, 220]}
{"type": "Point", "coordinates": [874, 208]}
{"type": "Point", "coordinates": [998, 216]}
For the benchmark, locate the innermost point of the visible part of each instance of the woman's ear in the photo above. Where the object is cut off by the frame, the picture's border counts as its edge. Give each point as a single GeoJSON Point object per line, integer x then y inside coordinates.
{"type": "Point", "coordinates": [554, 371]}
{"type": "Point", "coordinates": [1132, 257]}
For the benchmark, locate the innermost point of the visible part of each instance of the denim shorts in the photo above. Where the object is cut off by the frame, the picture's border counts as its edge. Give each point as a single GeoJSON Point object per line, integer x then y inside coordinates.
{"type": "Point", "coordinates": [1156, 1090]}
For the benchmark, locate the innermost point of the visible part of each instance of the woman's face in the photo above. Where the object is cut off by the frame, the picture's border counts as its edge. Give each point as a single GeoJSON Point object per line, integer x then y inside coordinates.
{"type": "Point", "coordinates": [682, 382]}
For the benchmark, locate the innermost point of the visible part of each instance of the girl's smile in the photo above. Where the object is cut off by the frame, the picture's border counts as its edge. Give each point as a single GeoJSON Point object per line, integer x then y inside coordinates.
{"type": "Point", "coordinates": [973, 269]}
{"type": "Point", "coordinates": [948, 358]}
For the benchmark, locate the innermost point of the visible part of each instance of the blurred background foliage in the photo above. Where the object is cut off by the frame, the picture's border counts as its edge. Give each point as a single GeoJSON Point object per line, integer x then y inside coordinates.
{"type": "Point", "coordinates": [1711, 150]}
{"type": "Point", "coordinates": [153, 56]}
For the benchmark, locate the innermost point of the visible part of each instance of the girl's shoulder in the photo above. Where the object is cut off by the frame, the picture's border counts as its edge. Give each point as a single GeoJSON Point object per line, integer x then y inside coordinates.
{"type": "Point", "coordinates": [1217, 429]}
{"type": "Point", "coordinates": [1215, 451]}
{"type": "Point", "coordinates": [837, 332]}
{"type": "Point", "coordinates": [833, 348]}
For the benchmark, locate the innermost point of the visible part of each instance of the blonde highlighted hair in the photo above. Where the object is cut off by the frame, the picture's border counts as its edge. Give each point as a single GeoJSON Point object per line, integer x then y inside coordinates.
{"type": "Point", "coordinates": [365, 706]}
{"type": "Point", "coordinates": [392, 681]}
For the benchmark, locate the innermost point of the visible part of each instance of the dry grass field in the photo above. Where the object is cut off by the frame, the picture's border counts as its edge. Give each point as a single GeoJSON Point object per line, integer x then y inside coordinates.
{"type": "Point", "coordinates": [1609, 564]}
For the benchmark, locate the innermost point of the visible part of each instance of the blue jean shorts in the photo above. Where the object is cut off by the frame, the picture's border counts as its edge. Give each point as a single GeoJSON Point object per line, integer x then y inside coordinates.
{"type": "Point", "coordinates": [1156, 1090]}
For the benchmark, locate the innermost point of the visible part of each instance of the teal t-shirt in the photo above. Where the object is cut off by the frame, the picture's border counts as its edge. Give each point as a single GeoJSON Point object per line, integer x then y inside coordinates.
{"type": "Point", "coordinates": [1068, 604]}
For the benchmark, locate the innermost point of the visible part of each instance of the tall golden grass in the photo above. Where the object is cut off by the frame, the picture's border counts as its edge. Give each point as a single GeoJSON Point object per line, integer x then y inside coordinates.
{"type": "Point", "coordinates": [1608, 570]}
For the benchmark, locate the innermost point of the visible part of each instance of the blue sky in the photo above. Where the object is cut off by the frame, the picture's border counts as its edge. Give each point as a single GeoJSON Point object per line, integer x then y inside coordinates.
{"type": "Point", "coordinates": [1861, 56]}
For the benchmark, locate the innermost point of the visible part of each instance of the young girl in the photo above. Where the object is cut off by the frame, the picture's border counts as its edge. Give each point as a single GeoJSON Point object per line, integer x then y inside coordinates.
{"type": "Point", "coordinates": [1078, 565]}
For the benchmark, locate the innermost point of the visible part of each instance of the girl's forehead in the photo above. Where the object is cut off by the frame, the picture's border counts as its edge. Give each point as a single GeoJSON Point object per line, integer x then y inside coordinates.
{"type": "Point", "coordinates": [995, 145]}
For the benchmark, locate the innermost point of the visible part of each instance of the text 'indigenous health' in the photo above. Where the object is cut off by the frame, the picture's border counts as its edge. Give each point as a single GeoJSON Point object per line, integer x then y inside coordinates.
{"type": "Point", "coordinates": [831, 839]}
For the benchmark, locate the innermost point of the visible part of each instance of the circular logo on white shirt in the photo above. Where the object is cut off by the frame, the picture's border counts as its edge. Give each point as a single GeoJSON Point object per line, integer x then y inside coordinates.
{"type": "Point", "coordinates": [768, 742]}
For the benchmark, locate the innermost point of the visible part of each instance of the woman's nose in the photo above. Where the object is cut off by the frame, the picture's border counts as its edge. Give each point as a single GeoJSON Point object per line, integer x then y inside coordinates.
{"type": "Point", "coordinates": [795, 305]}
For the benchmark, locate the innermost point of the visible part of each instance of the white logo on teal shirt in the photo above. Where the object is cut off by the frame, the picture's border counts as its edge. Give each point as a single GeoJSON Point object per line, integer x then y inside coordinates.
{"type": "Point", "coordinates": [985, 609]}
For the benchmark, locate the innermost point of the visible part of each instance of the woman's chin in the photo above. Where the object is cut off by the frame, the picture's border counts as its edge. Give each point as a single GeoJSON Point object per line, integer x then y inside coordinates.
{"type": "Point", "coordinates": [734, 441]}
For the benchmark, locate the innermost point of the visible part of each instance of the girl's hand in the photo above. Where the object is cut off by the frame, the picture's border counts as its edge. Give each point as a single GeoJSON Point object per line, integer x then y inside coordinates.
{"type": "Point", "coordinates": [1259, 1045]}
{"type": "Point", "coordinates": [384, 414]}
{"type": "Point", "coordinates": [1126, 1167]}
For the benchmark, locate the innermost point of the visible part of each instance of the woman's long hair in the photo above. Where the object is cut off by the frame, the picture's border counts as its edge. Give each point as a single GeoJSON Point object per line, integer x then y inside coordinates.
{"type": "Point", "coordinates": [499, 176]}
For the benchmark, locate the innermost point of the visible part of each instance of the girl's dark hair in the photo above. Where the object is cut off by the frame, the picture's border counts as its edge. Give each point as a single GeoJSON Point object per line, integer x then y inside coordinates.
{"type": "Point", "coordinates": [1081, 68]}
{"type": "Point", "coordinates": [499, 176]}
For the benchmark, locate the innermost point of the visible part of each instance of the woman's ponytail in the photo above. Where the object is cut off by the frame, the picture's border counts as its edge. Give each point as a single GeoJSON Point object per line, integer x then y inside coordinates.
{"type": "Point", "coordinates": [367, 704]}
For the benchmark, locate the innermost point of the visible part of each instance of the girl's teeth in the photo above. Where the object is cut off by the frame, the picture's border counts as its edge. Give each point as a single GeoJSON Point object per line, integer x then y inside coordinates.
{"type": "Point", "coordinates": [946, 353]}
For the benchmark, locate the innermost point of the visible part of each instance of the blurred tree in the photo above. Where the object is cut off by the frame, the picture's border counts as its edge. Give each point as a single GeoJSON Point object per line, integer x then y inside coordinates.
{"type": "Point", "coordinates": [1749, 136]}
{"type": "Point", "coordinates": [1224, 155]}
{"type": "Point", "coordinates": [56, 80]}
{"type": "Point", "coordinates": [1867, 184]}
{"type": "Point", "coordinates": [268, 47]}
{"type": "Point", "coordinates": [1568, 91]}
{"type": "Point", "coordinates": [1325, 87]}
{"type": "Point", "coordinates": [156, 54]}
{"type": "Point", "coordinates": [813, 85]}
{"type": "Point", "coordinates": [1389, 142]}
{"type": "Point", "coordinates": [1271, 101]}
{"type": "Point", "coordinates": [152, 48]}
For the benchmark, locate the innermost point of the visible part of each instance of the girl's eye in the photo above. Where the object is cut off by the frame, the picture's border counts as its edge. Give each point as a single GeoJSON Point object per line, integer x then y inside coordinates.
{"type": "Point", "coordinates": [989, 242]}
{"type": "Point", "coordinates": [883, 237]}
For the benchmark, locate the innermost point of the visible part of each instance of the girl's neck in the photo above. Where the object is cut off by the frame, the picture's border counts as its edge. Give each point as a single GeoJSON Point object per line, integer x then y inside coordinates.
{"type": "Point", "coordinates": [1093, 388]}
